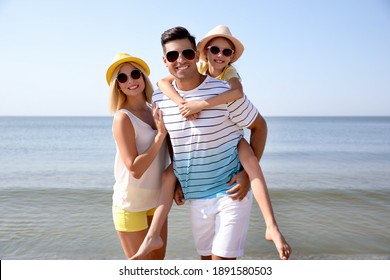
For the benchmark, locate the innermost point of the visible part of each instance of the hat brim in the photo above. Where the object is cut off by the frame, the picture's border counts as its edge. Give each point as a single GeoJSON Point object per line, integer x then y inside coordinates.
{"type": "Point", "coordinates": [239, 47]}
{"type": "Point", "coordinates": [136, 60]}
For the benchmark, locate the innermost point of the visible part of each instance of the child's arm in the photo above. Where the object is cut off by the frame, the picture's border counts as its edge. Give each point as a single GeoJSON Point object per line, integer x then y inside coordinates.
{"type": "Point", "coordinates": [165, 85]}
{"type": "Point", "coordinates": [235, 92]}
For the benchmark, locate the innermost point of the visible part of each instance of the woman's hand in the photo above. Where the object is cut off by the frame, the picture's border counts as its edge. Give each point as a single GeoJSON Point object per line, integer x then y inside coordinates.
{"type": "Point", "coordinates": [158, 120]}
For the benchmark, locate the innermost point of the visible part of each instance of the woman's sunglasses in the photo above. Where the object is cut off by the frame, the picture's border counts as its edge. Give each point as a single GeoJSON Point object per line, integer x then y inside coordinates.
{"type": "Point", "coordinates": [216, 50]}
{"type": "Point", "coordinates": [135, 75]}
{"type": "Point", "coordinates": [172, 56]}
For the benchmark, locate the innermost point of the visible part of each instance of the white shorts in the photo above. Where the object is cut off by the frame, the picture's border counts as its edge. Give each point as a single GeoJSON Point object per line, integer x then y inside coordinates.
{"type": "Point", "coordinates": [220, 225]}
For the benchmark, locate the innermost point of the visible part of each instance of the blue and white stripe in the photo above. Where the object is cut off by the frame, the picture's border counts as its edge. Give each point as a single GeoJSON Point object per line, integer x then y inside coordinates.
{"type": "Point", "coordinates": [205, 150]}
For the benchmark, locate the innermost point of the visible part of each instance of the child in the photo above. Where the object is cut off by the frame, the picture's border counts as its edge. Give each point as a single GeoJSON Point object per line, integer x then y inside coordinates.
{"type": "Point", "coordinates": [218, 50]}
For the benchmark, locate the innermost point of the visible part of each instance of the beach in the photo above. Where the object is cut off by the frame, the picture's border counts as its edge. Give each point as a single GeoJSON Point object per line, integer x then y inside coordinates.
{"type": "Point", "coordinates": [328, 180]}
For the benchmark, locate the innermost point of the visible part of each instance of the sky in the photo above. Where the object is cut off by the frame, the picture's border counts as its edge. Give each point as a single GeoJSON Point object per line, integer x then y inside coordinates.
{"type": "Point", "coordinates": [301, 58]}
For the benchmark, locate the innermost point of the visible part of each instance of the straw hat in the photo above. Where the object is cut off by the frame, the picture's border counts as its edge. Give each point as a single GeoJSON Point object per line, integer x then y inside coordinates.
{"type": "Point", "coordinates": [221, 31]}
{"type": "Point", "coordinates": [124, 57]}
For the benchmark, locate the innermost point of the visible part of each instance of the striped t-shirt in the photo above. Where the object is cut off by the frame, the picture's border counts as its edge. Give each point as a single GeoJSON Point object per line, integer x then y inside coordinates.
{"type": "Point", "coordinates": [205, 150]}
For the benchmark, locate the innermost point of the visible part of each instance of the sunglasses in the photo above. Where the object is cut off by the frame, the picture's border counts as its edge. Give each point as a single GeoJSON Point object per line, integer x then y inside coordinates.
{"type": "Point", "coordinates": [216, 50]}
{"type": "Point", "coordinates": [135, 75]}
{"type": "Point", "coordinates": [188, 54]}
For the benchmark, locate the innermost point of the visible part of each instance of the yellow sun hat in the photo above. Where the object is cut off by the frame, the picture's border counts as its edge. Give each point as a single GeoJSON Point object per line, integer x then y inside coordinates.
{"type": "Point", "coordinates": [122, 58]}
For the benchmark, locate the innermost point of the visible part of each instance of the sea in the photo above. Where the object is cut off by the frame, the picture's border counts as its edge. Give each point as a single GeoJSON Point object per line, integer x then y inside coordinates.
{"type": "Point", "coordinates": [328, 178]}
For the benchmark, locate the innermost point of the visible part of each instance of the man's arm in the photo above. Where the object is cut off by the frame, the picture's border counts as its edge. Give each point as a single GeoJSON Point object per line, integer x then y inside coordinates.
{"type": "Point", "coordinates": [258, 136]}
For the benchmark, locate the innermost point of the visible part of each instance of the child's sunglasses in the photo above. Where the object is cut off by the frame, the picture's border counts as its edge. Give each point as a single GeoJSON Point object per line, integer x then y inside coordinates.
{"type": "Point", "coordinates": [215, 50]}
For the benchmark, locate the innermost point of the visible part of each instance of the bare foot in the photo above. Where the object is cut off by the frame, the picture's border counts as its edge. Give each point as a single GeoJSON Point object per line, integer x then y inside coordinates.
{"type": "Point", "coordinates": [148, 245]}
{"type": "Point", "coordinates": [281, 244]}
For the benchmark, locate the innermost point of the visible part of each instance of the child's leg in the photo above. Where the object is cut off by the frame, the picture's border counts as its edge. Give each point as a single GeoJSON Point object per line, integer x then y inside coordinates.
{"type": "Point", "coordinates": [153, 240]}
{"type": "Point", "coordinates": [131, 241]}
{"type": "Point", "coordinates": [159, 253]}
{"type": "Point", "coordinates": [260, 191]}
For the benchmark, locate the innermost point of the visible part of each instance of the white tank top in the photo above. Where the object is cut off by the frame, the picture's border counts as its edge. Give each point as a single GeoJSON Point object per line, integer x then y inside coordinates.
{"type": "Point", "coordinates": [139, 194]}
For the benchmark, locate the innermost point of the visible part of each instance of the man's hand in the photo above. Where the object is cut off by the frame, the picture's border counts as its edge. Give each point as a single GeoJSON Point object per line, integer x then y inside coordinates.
{"type": "Point", "coordinates": [240, 190]}
{"type": "Point", "coordinates": [178, 196]}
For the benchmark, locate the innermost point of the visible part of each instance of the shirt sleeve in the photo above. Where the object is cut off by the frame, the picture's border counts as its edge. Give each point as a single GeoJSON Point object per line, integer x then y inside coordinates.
{"type": "Point", "coordinates": [242, 112]}
{"type": "Point", "coordinates": [230, 72]}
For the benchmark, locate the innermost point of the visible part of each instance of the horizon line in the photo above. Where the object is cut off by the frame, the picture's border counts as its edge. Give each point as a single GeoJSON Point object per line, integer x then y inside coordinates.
{"type": "Point", "coordinates": [265, 116]}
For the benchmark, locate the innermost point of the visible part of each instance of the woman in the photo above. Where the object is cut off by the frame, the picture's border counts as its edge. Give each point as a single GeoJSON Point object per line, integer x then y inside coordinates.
{"type": "Point", "coordinates": [141, 156]}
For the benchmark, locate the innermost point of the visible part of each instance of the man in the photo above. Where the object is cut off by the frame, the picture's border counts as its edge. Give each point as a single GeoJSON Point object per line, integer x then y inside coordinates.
{"type": "Point", "coordinates": [205, 150]}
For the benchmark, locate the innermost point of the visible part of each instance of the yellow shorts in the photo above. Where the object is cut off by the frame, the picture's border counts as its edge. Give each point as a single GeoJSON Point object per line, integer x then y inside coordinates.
{"type": "Point", "coordinates": [130, 221]}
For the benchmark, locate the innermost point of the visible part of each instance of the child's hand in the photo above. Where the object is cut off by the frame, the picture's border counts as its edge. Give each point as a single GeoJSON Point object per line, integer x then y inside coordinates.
{"type": "Point", "coordinates": [191, 109]}
{"type": "Point", "coordinates": [192, 117]}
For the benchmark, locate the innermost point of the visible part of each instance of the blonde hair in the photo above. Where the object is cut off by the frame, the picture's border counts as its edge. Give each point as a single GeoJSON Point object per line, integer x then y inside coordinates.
{"type": "Point", "coordinates": [117, 97]}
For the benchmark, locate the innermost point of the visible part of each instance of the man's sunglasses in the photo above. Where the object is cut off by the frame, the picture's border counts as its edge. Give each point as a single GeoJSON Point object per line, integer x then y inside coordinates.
{"type": "Point", "coordinates": [135, 75]}
{"type": "Point", "coordinates": [172, 56]}
{"type": "Point", "coordinates": [216, 50]}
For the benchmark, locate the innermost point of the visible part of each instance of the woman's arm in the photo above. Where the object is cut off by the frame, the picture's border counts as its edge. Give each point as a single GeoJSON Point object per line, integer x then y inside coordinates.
{"type": "Point", "coordinates": [124, 135]}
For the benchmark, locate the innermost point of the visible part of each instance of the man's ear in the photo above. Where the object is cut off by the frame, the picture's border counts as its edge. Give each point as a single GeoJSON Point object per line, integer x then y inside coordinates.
{"type": "Point", "coordinates": [197, 56]}
{"type": "Point", "coordinates": [164, 59]}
